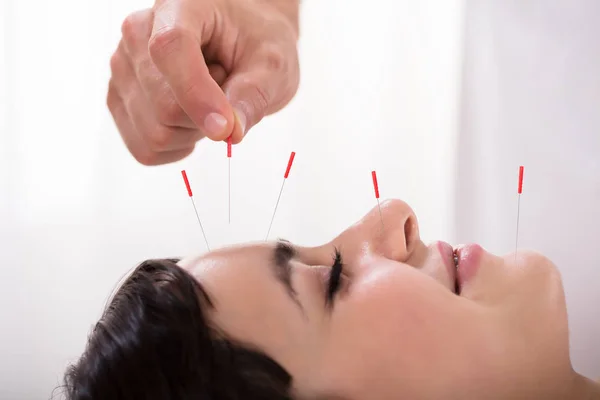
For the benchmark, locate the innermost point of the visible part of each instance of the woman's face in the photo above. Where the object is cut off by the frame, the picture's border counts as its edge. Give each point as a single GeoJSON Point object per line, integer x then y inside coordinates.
{"type": "Point", "coordinates": [405, 322]}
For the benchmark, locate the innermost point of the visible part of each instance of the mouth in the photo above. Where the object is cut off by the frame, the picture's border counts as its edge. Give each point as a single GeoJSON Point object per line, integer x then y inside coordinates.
{"type": "Point", "coordinates": [451, 260]}
{"type": "Point", "coordinates": [456, 260]}
{"type": "Point", "coordinates": [467, 261]}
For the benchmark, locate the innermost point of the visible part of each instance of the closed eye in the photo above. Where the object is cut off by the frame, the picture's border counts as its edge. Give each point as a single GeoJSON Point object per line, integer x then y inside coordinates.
{"type": "Point", "coordinates": [334, 280]}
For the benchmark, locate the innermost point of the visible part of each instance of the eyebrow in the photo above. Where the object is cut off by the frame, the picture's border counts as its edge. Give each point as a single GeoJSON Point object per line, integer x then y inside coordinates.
{"type": "Point", "coordinates": [283, 253]}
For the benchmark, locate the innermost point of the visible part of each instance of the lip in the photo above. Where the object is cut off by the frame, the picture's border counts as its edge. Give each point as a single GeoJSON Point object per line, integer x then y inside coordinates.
{"type": "Point", "coordinates": [447, 253]}
{"type": "Point", "coordinates": [468, 262]}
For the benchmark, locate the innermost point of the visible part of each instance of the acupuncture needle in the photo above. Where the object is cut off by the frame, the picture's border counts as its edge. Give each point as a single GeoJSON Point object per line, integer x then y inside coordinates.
{"type": "Point", "coordinates": [376, 187]}
{"type": "Point", "coordinates": [519, 191]}
{"type": "Point", "coordinates": [189, 190]}
{"type": "Point", "coordinates": [285, 176]}
{"type": "Point", "coordinates": [229, 175]}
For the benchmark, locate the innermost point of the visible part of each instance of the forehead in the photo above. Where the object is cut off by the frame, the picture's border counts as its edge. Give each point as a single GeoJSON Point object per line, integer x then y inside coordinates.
{"type": "Point", "coordinates": [242, 285]}
{"type": "Point", "coordinates": [230, 266]}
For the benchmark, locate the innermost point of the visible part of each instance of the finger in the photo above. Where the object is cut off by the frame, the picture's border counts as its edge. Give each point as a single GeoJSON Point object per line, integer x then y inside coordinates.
{"type": "Point", "coordinates": [259, 87]}
{"type": "Point", "coordinates": [119, 67]}
{"type": "Point", "coordinates": [218, 73]}
{"type": "Point", "coordinates": [132, 139]}
{"type": "Point", "coordinates": [251, 95]}
{"type": "Point", "coordinates": [136, 30]}
{"type": "Point", "coordinates": [119, 114]}
{"type": "Point", "coordinates": [176, 51]}
{"type": "Point", "coordinates": [158, 137]}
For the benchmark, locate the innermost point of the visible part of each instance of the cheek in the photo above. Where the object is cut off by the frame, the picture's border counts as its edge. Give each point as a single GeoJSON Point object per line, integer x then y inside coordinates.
{"type": "Point", "coordinates": [397, 323]}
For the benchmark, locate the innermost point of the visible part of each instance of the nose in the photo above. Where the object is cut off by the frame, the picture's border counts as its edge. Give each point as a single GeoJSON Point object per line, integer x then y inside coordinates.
{"type": "Point", "coordinates": [400, 233]}
{"type": "Point", "coordinates": [393, 233]}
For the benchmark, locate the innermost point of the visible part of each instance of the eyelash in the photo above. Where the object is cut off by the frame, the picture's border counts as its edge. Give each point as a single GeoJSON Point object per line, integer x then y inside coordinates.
{"type": "Point", "coordinates": [335, 276]}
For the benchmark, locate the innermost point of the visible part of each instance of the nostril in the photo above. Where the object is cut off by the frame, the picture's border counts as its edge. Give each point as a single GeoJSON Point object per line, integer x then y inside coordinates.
{"type": "Point", "coordinates": [408, 232]}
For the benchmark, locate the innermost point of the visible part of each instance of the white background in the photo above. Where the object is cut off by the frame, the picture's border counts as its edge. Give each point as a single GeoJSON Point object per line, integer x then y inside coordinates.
{"type": "Point", "coordinates": [380, 89]}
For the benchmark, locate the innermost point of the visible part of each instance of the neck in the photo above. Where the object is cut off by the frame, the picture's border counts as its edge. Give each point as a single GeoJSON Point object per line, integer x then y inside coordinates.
{"type": "Point", "coordinates": [585, 389]}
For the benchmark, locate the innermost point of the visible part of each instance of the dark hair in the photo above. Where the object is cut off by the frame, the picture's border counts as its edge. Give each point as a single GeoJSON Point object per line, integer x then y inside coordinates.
{"type": "Point", "coordinates": [154, 342]}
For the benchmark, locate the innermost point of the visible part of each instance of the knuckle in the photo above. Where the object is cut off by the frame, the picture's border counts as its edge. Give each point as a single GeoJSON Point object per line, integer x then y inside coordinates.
{"type": "Point", "coordinates": [111, 97]}
{"type": "Point", "coordinates": [128, 27]}
{"type": "Point", "coordinates": [143, 68]}
{"type": "Point", "coordinates": [116, 63]}
{"type": "Point", "coordinates": [129, 103]}
{"type": "Point", "coordinates": [159, 139]}
{"type": "Point", "coordinates": [165, 42]}
{"type": "Point", "coordinates": [146, 157]}
{"type": "Point", "coordinates": [275, 59]}
{"type": "Point", "coordinates": [168, 111]}
{"type": "Point", "coordinates": [133, 24]}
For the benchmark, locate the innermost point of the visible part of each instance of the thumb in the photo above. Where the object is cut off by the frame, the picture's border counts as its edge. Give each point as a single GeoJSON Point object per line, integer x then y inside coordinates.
{"type": "Point", "coordinates": [253, 95]}
{"type": "Point", "coordinates": [177, 53]}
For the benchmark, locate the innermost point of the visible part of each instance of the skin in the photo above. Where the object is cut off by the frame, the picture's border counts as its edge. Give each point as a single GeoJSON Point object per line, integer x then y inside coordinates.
{"type": "Point", "coordinates": [396, 328]}
{"type": "Point", "coordinates": [189, 69]}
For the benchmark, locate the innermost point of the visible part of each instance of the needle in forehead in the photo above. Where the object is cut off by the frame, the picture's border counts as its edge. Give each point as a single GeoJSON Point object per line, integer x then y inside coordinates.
{"type": "Point", "coordinates": [285, 176]}
{"type": "Point", "coordinates": [519, 191]}
{"type": "Point", "coordinates": [189, 190]}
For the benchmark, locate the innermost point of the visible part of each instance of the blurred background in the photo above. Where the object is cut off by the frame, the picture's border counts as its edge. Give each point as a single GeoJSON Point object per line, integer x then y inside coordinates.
{"type": "Point", "coordinates": [77, 212]}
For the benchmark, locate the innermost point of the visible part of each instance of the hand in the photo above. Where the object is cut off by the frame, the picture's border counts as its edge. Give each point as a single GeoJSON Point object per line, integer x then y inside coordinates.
{"type": "Point", "coordinates": [188, 69]}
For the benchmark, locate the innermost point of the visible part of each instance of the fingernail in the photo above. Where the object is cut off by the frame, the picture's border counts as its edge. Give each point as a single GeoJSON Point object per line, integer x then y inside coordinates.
{"type": "Point", "coordinates": [241, 120]}
{"type": "Point", "coordinates": [214, 124]}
